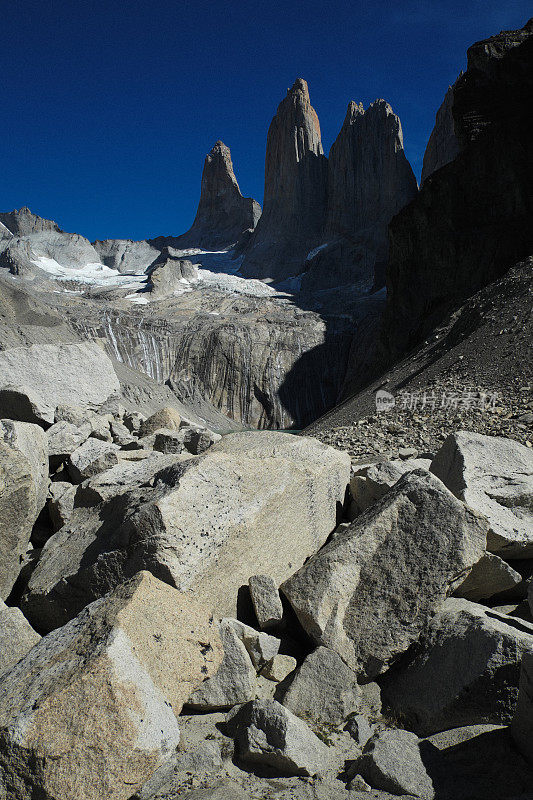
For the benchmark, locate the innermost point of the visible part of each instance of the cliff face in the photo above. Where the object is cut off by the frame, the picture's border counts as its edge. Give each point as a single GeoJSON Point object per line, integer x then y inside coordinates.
{"type": "Point", "coordinates": [23, 222]}
{"type": "Point", "coordinates": [443, 145]}
{"type": "Point", "coordinates": [260, 362]}
{"type": "Point", "coordinates": [223, 214]}
{"type": "Point", "coordinates": [473, 218]}
{"type": "Point", "coordinates": [295, 191]}
{"type": "Point", "coordinates": [369, 181]}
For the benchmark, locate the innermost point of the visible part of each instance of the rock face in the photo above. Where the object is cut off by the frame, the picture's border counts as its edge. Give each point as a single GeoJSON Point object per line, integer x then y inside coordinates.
{"type": "Point", "coordinates": [474, 219]}
{"type": "Point", "coordinates": [269, 734]}
{"type": "Point", "coordinates": [369, 181]}
{"type": "Point", "coordinates": [466, 670]}
{"type": "Point", "coordinates": [263, 363]}
{"type": "Point", "coordinates": [369, 593]}
{"type": "Point", "coordinates": [91, 710]}
{"type": "Point", "coordinates": [443, 145]}
{"type": "Point", "coordinates": [35, 380]}
{"type": "Point", "coordinates": [125, 255]}
{"type": "Point", "coordinates": [209, 523]}
{"type": "Point", "coordinates": [223, 213]}
{"type": "Point", "coordinates": [17, 637]}
{"type": "Point", "coordinates": [495, 476]}
{"type": "Point", "coordinates": [294, 205]}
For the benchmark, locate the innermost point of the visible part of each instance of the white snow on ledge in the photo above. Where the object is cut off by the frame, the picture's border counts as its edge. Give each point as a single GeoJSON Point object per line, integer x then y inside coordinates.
{"type": "Point", "coordinates": [93, 274]}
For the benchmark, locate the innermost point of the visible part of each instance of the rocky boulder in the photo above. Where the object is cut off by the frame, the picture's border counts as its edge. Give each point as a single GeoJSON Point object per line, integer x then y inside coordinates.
{"type": "Point", "coordinates": [91, 710]}
{"type": "Point", "coordinates": [35, 380]}
{"type": "Point", "coordinates": [324, 690]}
{"type": "Point", "coordinates": [209, 523]}
{"type": "Point", "coordinates": [268, 734]}
{"type": "Point", "coordinates": [466, 670]}
{"type": "Point", "coordinates": [169, 273]}
{"type": "Point", "coordinates": [235, 679]}
{"type": "Point", "coordinates": [392, 761]}
{"type": "Point", "coordinates": [294, 206]}
{"type": "Point", "coordinates": [369, 593]}
{"type": "Point", "coordinates": [17, 637]}
{"type": "Point", "coordinates": [18, 512]}
{"type": "Point", "coordinates": [31, 441]}
{"type": "Point", "coordinates": [491, 575]}
{"type": "Point", "coordinates": [495, 476]}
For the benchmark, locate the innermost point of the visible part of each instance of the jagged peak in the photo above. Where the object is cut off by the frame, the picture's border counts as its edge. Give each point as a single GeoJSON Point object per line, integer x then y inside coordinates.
{"type": "Point", "coordinates": [353, 111]}
{"type": "Point", "coordinates": [299, 87]}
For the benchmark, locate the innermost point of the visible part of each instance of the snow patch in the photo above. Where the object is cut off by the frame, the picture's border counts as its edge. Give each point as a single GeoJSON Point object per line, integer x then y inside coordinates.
{"type": "Point", "coordinates": [92, 274]}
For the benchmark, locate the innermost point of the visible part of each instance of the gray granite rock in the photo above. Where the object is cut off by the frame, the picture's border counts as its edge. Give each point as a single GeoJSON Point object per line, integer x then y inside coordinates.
{"type": "Point", "coordinates": [465, 671]}
{"type": "Point", "coordinates": [369, 593]}
{"type": "Point", "coordinates": [324, 689]}
{"type": "Point", "coordinates": [495, 476]}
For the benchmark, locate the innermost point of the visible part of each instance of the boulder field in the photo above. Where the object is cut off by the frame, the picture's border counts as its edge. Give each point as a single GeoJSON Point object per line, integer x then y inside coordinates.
{"type": "Point", "coordinates": [202, 616]}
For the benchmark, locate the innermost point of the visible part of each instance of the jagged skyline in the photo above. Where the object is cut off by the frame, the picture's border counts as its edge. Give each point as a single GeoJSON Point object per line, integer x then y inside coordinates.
{"type": "Point", "coordinates": [111, 114]}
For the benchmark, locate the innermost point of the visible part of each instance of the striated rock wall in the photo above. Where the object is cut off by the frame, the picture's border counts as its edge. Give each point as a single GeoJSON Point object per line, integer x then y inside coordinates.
{"type": "Point", "coordinates": [473, 218]}
{"type": "Point", "coordinates": [443, 145]}
{"type": "Point", "coordinates": [294, 204]}
{"type": "Point", "coordinates": [265, 364]}
{"type": "Point", "coordinates": [369, 181]}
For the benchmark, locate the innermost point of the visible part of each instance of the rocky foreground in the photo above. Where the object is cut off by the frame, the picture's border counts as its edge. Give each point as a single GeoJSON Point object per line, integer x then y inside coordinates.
{"type": "Point", "coordinates": [252, 615]}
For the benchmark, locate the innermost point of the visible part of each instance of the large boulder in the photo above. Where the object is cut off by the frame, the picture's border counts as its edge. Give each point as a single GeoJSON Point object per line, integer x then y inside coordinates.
{"type": "Point", "coordinates": [255, 502]}
{"type": "Point", "coordinates": [491, 575]}
{"type": "Point", "coordinates": [370, 592]}
{"type": "Point", "coordinates": [270, 735]}
{"type": "Point", "coordinates": [465, 671]}
{"type": "Point", "coordinates": [30, 440]}
{"type": "Point", "coordinates": [17, 637]}
{"type": "Point", "coordinates": [18, 512]}
{"type": "Point", "coordinates": [392, 761]}
{"type": "Point", "coordinates": [35, 380]}
{"type": "Point", "coordinates": [90, 458]}
{"type": "Point", "coordinates": [374, 481]}
{"type": "Point", "coordinates": [91, 710]}
{"type": "Point", "coordinates": [324, 689]}
{"type": "Point", "coordinates": [522, 723]}
{"type": "Point", "coordinates": [495, 476]}
{"type": "Point", "coordinates": [170, 273]}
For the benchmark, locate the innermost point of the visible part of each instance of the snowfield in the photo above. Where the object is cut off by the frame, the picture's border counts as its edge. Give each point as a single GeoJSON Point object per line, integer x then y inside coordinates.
{"type": "Point", "coordinates": [216, 270]}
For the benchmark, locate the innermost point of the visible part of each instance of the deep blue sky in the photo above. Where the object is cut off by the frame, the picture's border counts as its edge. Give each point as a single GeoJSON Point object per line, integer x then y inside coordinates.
{"type": "Point", "coordinates": [108, 108]}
